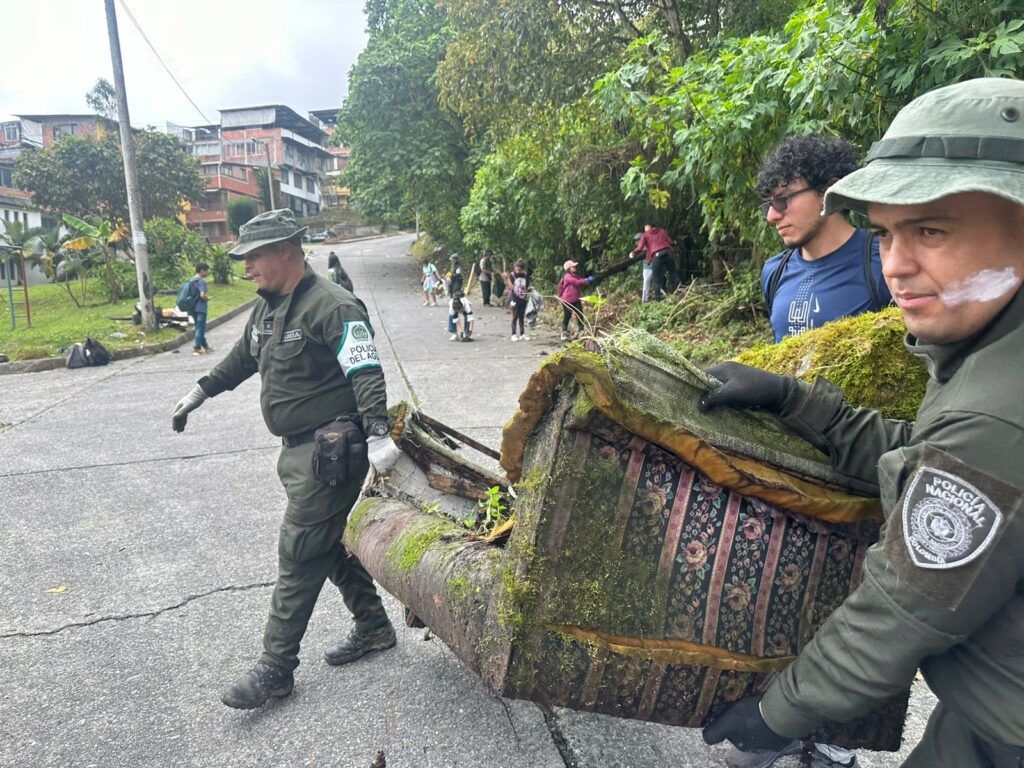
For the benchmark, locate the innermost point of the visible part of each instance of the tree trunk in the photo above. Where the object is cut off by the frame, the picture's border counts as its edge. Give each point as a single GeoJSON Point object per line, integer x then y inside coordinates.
{"type": "Point", "coordinates": [111, 280]}
{"type": "Point", "coordinates": [675, 26]}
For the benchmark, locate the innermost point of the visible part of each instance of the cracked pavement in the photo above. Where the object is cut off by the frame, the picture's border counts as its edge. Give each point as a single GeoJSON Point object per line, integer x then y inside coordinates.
{"type": "Point", "coordinates": [137, 566]}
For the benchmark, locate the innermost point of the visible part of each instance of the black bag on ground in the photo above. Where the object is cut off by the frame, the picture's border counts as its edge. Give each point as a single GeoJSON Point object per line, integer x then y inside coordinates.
{"type": "Point", "coordinates": [95, 353]}
{"type": "Point", "coordinates": [76, 356]}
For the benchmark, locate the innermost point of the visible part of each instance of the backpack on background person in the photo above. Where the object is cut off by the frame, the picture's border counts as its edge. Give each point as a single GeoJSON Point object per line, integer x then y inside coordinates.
{"type": "Point", "coordinates": [188, 295]}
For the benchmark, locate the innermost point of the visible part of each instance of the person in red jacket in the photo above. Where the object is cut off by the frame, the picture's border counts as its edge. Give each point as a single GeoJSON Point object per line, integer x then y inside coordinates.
{"type": "Point", "coordinates": [658, 246]}
{"type": "Point", "coordinates": [568, 293]}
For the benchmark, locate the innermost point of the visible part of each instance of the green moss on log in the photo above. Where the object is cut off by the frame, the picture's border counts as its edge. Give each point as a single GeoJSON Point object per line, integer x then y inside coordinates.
{"type": "Point", "coordinates": [407, 550]}
{"type": "Point", "coordinates": [359, 516]}
{"type": "Point", "coordinates": [863, 355]}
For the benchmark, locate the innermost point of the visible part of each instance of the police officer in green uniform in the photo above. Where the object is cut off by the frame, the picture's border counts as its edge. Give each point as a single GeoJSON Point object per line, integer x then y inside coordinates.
{"type": "Point", "coordinates": [323, 394]}
{"type": "Point", "coordinates": [943, 591]}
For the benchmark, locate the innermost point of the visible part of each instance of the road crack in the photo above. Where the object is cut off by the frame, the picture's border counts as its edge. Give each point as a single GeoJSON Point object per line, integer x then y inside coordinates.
{"type": "Point", "coordinates": [565, 751]}
{"type": "Point", "coordinates": [130, 616]}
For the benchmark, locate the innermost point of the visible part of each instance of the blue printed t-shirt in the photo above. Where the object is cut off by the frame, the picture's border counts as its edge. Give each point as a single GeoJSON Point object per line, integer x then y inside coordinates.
{"type": "Point", "coordinates": [812, 293]}
{"type": "Point", "coordinates": [201, 305]}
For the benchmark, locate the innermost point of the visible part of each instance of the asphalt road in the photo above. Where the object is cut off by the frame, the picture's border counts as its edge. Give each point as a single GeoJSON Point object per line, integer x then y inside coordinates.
{"type": "Point", "coordinates": [137, 565]}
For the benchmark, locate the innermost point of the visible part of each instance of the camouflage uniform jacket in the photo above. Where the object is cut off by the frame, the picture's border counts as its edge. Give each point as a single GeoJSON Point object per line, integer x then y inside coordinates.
{"type": "Point", "coordinates": [315, 353]}
{"type": "Point", "coordinates": [942, 590]}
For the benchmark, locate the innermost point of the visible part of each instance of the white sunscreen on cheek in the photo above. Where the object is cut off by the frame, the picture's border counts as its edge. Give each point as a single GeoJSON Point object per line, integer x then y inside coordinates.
{"type": "Point", "coordinates": [986, 285]}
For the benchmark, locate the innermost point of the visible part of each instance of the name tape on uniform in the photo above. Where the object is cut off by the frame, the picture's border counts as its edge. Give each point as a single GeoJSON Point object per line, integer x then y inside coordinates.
{"type": "Point", "coordinates": [947, 522]}
{"type": "Point", "coordinates": [357, 350]}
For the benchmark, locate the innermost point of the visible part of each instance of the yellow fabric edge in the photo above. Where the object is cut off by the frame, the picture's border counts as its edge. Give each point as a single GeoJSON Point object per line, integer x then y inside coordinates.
{"type": "Point", "coordinates": [738, 473]}
{"type": "Point", "coordinates": [674, 651]}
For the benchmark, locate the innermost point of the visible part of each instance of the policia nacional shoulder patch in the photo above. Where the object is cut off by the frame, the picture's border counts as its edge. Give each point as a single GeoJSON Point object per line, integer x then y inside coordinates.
{"type": "Point", "coordinates": [357, 350]}
{"type": "Point", "coordinates": [947, 522]}
{"type": "Point", "coordinates": [949, 516]}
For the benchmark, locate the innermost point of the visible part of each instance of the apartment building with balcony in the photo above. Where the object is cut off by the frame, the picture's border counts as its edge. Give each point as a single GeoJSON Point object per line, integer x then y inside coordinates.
{"type": "Point", "coordinates": [28, 133]}
{"type": "Point", "coordinates": [248, 138]}
{"type": "Point", "coordinates": [334, 193]}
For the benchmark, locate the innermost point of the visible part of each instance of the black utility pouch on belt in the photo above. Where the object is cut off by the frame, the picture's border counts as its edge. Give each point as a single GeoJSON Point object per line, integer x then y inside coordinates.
{"type": "Point", "coordinates": [339, 453]}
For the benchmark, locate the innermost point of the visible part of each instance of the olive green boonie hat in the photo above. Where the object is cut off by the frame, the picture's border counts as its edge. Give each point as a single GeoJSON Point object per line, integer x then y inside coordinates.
{"type": "Point", "coordinates": [266, 229]}
{"type": "Point", "coordinates": [967, 137]}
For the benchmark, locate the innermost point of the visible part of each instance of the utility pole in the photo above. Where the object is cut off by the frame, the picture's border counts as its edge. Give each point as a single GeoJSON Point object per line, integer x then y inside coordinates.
{"type": "Point", "coordinates": [270, 177]}
{"type": "Point", "coordinates": [270, 173]}
{"type": "Point", "coordinates": [128, 154]}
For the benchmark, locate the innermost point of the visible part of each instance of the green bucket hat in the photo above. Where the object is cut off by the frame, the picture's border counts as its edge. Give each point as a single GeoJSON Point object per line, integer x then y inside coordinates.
{"type": "Point", "coordinates": [967, 137]}
{"type": "Point", "coordinates": [266, 229]}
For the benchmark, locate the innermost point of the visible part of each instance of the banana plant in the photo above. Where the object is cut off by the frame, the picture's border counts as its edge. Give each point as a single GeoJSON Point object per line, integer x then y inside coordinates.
{"type": "Point", "coordinates": [100, 235]}
{"type": "Point", "coordinates": [43, 250]}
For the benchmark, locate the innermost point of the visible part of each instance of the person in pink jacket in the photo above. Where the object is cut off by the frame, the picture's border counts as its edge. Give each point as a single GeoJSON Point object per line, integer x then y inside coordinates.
{"type": "Point", "coordinates": [568, 293]}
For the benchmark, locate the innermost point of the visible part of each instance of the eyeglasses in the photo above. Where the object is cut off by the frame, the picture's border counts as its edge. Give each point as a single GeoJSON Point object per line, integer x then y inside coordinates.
{"type": "Point", "coordinates": [781, 202]}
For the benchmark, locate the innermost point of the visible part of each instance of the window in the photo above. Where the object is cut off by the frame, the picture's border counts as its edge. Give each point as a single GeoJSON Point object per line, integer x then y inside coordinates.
{"type": "Point", "coordinates": [310, 187]}
{"type": "Point", "coordinates": [206, 148]}
{"type": "Point", "coordinates": [12, 132]}
{"type": "Point", "coordinates": [5, 178]}
{"type": "Point", "coordinates": [285, 178]}
{"type": "Point", "coordinates": [64, 129]}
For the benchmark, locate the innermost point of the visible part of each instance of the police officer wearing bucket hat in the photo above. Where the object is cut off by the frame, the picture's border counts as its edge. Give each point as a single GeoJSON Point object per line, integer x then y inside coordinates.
{"type": "Point", "coordinates": [323, 394]}
{"type": "Point", "coordinates": [942, 591]}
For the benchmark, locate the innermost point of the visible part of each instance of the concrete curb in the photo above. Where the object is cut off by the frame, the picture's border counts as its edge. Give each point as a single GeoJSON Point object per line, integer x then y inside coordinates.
{"type": "Point", "coordinates": [52, 363]}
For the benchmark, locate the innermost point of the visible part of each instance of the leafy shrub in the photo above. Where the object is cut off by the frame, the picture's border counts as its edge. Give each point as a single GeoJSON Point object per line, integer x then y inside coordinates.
{"type": "Point", "coordinates": [220, 264]}
{"type": "Point", "coordinates": [240, 210]}
{"type": "Point", "coordinates": [174, 250]}
{"type": "Point", "coordinates": [423, 249]}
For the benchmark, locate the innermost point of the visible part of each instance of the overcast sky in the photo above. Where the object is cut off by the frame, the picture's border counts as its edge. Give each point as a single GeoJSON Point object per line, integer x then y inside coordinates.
{"type": "Point", "coordinates": [226, 53]}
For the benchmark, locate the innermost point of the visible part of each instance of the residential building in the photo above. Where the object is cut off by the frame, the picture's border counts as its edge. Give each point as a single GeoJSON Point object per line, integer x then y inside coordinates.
{"type": "Point", "coordinates": [26, 134]}
{"type": "Point", "coordinates": [46, 129]}
{"type": "Point", "coordinates": [334, 192]}
{"type": "Point", "coordinates": [248, 138]}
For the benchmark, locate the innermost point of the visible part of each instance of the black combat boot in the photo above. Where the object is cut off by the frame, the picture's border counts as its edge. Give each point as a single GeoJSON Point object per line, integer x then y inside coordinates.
{"type": "Point", "coordinates": [361, 642]}
{"type": "Point", "coordinates": [257, 685]}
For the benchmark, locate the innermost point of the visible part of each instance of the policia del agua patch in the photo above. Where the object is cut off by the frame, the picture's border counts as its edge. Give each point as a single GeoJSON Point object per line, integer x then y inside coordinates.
{"type": "Point", "coordinates": [357, 350]}
{"type": "Point", "coordinates": [948, 519]}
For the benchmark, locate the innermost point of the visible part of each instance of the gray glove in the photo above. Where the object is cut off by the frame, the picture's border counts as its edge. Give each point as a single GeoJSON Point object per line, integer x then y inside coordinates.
{"type": "Point", "coordinates": [383, 453]}
{"type": "Point", "coordinates": [185, 406]}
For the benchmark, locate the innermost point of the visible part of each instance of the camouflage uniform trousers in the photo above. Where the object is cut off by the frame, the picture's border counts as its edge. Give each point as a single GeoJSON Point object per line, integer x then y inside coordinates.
{"type": "Point", "coordinates": [310, 552]}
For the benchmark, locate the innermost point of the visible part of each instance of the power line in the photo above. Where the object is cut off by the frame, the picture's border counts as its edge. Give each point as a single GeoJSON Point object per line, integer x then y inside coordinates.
{"type": "Point", "coordinates": [181, 88]}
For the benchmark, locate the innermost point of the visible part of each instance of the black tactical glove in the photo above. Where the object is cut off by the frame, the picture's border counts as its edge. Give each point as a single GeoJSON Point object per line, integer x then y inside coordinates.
{"type": "Point", "coordinates": [743, 725]}
{"type": "Point", "coordinates": [746, 387]}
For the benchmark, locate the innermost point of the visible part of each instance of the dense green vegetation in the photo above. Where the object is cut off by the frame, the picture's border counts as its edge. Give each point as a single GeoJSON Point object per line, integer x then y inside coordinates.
{"type": "Point", "coordinates": [548, 129]}
{"type": "Point", "coordinates": [84, 175]}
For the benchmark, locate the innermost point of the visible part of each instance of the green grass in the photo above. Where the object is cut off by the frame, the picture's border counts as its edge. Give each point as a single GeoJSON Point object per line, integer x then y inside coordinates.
{"type": "Point", "coordinates": [57, 322]}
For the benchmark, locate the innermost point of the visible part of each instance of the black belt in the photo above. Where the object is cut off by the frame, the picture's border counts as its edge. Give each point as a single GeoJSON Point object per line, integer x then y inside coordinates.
{"type": "Point", "coordinates": [293, 441]}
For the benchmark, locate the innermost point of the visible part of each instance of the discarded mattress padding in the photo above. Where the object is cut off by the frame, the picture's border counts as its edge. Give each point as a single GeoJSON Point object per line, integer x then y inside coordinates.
{"type": "Point", "coordinates": [663, 562]}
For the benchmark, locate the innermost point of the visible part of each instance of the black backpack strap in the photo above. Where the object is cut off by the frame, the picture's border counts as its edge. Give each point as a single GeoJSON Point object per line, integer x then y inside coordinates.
{"type": "Point", "coordinates": [869, 277]}
{"type": "Point", "coordinates": [774, 280]}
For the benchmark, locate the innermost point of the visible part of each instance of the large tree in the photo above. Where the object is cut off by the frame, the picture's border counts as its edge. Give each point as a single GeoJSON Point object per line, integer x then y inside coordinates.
{"type": "Point", "coordinates": [509, 64]}
{"type": "Point", "coordinates": [408, 154]}
{"type": "Point", "coordinates": [84, 175]}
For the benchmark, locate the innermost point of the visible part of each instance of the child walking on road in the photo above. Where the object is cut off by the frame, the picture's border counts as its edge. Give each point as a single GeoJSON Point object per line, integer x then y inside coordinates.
{"type": "Point", "coordinates": [518, 293]}
{"type": "Point", "coordinates": [430, 281]}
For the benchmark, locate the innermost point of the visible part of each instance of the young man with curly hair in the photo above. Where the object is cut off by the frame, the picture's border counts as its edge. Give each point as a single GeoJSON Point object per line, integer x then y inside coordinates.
{"type": "Point", "coordinates": [829, 268]}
